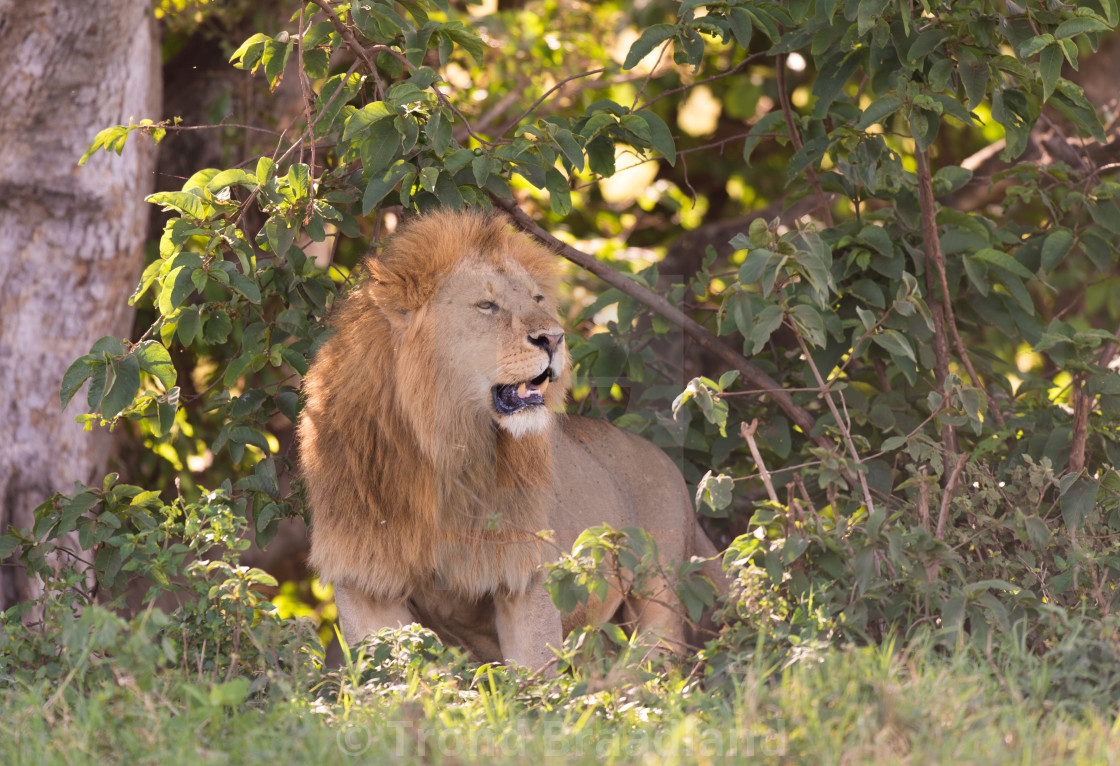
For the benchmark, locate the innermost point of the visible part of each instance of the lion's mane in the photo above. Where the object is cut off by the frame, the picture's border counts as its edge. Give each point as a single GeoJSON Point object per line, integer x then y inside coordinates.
{"type": "Point", "coordinates": [408, 488]}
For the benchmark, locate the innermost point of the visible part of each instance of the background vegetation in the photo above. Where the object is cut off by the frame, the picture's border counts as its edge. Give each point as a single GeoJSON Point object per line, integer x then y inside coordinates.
{"type": "Point", "coordinates": [862, 283]}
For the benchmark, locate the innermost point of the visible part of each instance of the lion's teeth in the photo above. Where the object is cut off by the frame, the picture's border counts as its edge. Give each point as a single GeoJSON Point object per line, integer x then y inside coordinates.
{"type": "Point", "coordinates": [523, 390]}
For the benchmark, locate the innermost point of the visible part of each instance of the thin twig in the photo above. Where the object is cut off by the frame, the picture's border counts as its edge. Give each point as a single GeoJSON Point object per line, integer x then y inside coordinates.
{"type": "Point", "coordinates": [308, 95]}
{"type": "Point", "coordinates": [747, 431]}
{"type": "Point", "coordinates": [351, 41]}
{"type": "Point", "coordinates": [845, 432]}
{"type": "Point", "coordinates": [748, 60]}
{"type": "Point", "coordinates": [649, 76]}
{"type": "Point", "coordinates": [517, 120]}
{"type": "Point", "coordinates": [795, 139]}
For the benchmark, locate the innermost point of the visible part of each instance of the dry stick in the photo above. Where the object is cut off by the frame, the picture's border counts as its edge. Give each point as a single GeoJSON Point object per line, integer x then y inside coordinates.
{"type": "Point", "coordinates": [701, 335]}
{"type": "Point", "coordinates": [747, 430]}
{"type": "Point", "coordinates": [1080, 425]}
{"type": "Point", "coordinates": [841, 423]}
{"type": "Point", "coordinates": [795, 139]}
{"type": "Point", "coordinates": [943, 516]}
{"type": "Point", "coordinates": [935, 257]}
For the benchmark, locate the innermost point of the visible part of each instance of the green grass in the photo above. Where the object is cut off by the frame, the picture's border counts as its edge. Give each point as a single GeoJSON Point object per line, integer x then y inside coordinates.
{"type": "Point", "coordinates": [853, 706]}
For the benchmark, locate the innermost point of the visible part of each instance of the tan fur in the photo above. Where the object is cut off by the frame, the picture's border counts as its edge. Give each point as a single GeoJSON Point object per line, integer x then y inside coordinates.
{"type": "Point", "coordinates": [426, 502]}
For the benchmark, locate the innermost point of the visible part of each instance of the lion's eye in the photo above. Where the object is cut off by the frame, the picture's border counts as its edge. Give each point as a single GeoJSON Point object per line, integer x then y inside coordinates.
{"type": "Point", "coordinates": [538, 298]}
{"type": "Point", "coordinates": [487, 306]}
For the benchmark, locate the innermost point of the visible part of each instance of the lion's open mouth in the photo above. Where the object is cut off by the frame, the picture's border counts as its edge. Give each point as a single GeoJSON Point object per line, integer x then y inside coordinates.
{"type": "Point", "coordinates": [514, 397]}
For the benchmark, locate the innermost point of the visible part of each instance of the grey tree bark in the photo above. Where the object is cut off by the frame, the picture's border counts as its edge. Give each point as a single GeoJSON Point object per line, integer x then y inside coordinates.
{"type": "Point", "coordinates": [70, 238]}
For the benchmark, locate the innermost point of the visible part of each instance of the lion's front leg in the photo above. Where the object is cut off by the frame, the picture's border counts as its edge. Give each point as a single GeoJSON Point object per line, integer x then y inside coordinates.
{"type": "Point", "coordinates": [362, 615]}
{"type": "Point", "coordinates": [528, 627]}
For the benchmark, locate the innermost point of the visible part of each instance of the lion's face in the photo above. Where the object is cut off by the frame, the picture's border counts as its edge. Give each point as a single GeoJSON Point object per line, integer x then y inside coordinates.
{"type": "Point", "coordinates": [497, 331]}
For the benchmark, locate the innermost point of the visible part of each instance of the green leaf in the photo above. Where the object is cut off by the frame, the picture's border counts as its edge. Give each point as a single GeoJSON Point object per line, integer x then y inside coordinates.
{"type": "Point", "coordinates": [878, 110]}
{"type": "Point", "coordinates": [1079, 25]}
{"type": "Point", "coordinates": [894, 343]}
{"type": "Point", "coordinates": [98, 380]}
{"type": "Point", "coordinates": [1050, 70]}
{"type": "Point", "coordinates": [974, 77]}
{"type": "Point", "coordinates": [660, 136]}
{"type": "Point", "coordinates": [280, 233]}
{"type": "Point", "coordinates": [234, 177]}
{"type": "Point", "coordinates": [166, 407]}
{"type": "Point", "coordinates": [380, 186]}
{"type": "Point", "coordinates": [439, 131]}
{"type": "Point", "coordinates": [155, 361]}
{"type": "Point", "coordinates": [176, 287]}
{"type": "Point", "coordinates": [1004, 261]}
{"type": "Point", "coordinates": [893, 443]}
{"type": "Point", "coordinates": [950, 178]}
{"type": "Point", "coordinates": [265, 167]}
{"type": "Point", "coordinates": [75, 375]}
{"type": "Point", "coordinates": [448, 193]}
{"type": "Point", "coordinates": [559, 195]}
{"type": "Point", "coordinates": [810, 323]}
{"type": "Point", "coordinates": [767, 321]}
{"type": "Point", "coordinates": [868, 13]}
{"type": "Point", "coordinates": [741, 27]}
{"type": "Point", "coordinates": [189, 325]}
{"type": "Point", "coordinates": [570, 148]}
{"type": "Point", "coordinates": [125, 386]}
{"type": "Point", "coordinates": [217, 327]}
{"type": "Point", "coordinates": [182, 202]}
{"type": "Point", "coordinates": [1077, 500]}
{"type": "Point", "coordinates": [835, 71]}
{"type": "Point", "coordinates": [365, 118]}
{"type": "Point", "coordinates": [714, 492]}
{"type": "Point", "coordinates": [428, 177]}
{"type": "Point", "coordinates": [1055, 248]}
{"type": "Point", "coordinates": [1034, 45]}
{"type": "Point", "coordinates": [466, 38]}
{"type": "Point", "coordinates": [650, 39]}
{"type": "Point", "coordinates": [928, 41]}
{"type": "Point", "coordinates": [249, 53]}
{"type": "Point", "coordinates": [245, 286]}
{"type": "Point", "coordinates": [349, 86]}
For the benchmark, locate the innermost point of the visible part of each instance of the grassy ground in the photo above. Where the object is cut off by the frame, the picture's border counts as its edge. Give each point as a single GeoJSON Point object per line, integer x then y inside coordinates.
{"type": "Point", "coordinates": [854, 706]}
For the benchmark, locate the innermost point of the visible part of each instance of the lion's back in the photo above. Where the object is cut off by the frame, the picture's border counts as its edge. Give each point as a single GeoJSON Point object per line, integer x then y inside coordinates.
{"type": "Point", "coordinates": [606, 474]}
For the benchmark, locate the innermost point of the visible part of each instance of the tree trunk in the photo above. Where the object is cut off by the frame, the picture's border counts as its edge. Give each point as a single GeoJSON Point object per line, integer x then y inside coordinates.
{"type": "Point", "coordinates": [71, 238]}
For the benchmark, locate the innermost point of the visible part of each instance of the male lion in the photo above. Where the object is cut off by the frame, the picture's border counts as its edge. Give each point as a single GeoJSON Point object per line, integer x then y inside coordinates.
{"type": "Point", "coordinates": [435, 451]}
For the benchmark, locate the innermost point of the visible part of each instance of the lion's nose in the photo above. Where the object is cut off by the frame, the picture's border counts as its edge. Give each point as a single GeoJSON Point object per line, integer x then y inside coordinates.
{"type": "Point", "coordinates": [547, 341]}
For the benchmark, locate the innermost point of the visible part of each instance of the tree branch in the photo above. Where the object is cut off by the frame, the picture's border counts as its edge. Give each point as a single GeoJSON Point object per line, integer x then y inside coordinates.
{"type": "Point", "coordinates": [351, 41]}
{"type": "Point", "coordinates": [947, 498]}
{"type": "Point", "coordinates": [700, 334]}
{"type": "Point", "coordinates": [934, 257]}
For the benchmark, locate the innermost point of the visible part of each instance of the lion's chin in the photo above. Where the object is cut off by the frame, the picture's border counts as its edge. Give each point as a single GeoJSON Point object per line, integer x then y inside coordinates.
{"type": "Point", "coordinates": [528, 422]}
